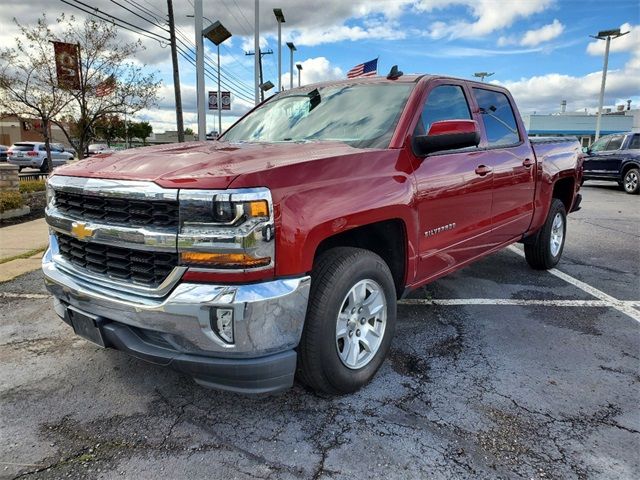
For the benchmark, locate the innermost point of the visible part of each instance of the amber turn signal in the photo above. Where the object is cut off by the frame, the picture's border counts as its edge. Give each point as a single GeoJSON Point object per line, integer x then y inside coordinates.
{"type": "Point", "coordinates": [258, 208]}
{"type": "Point", "coordinates": [224, 260]}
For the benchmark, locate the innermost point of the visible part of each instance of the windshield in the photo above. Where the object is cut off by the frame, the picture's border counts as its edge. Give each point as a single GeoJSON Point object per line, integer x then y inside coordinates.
{"type": "Point", "coordinates": [361, 115]}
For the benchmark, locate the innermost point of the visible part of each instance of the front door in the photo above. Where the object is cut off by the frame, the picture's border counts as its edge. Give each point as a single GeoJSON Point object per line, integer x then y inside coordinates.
{"type": "Point", "coordinates": [604, 158]}
{"type": "Point", "coordinates": [453, 195]}
{"type": "Point", "coordinates": [514, 166]}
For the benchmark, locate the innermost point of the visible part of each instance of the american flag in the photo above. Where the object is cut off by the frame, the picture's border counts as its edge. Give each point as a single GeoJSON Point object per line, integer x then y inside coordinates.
{"type": "Point", "coordinates": [366, 69]}
{"type": "Point", "coordinates": [106, 87]}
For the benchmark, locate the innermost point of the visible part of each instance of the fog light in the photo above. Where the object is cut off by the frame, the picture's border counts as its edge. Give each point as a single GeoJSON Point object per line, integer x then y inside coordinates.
{"type": "Point", "coordinates": [222, 323]}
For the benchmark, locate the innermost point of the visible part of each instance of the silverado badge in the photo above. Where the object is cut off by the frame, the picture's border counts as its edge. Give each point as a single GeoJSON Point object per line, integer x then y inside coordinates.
{"type": "Point", "coordinates": [81, 231]}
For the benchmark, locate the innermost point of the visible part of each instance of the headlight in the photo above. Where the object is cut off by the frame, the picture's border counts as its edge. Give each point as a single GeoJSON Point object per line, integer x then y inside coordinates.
{"type": "Point", "coordinates": [230, 229]}
{"type": "Point", "coordinates": [51, 197]}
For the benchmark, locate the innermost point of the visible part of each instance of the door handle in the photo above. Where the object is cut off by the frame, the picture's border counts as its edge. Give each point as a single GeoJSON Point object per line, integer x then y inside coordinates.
{"type": "Point", "coordinates": [483, 170]}
{"type": "Point", "coordinates": [527, 163]}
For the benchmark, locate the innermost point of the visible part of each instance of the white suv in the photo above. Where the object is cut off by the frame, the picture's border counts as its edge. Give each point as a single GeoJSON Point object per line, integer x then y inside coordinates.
{"type": "Point", "coordinates": [34, 154]}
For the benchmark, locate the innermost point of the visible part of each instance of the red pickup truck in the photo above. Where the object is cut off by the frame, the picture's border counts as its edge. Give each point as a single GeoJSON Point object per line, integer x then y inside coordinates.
{"type": "Point", "coordinates": [280, 250]}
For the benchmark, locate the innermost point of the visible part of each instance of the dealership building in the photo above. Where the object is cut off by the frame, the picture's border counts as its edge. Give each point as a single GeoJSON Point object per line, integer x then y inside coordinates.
{"type": "Point", "coordinates": [583, 125]}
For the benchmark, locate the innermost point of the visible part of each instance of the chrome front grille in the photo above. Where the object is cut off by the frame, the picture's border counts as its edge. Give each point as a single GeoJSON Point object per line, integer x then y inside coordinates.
{"type": "Point", "coordinates": [115, 233]}
{"type": "Point", "coordinates": [118, 211]}
{"type": "Point", "coordinates": [121, 264]}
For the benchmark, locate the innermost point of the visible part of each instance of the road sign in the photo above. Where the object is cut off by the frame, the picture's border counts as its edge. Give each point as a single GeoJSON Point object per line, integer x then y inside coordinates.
{"type": "Point", "coordinates": [226, 100]}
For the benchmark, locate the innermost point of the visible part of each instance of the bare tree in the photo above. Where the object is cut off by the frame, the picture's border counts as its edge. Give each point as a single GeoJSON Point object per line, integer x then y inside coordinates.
{"type": "Point", "coordinates": [28, 84]}
{"type": "Point", "coordinates": [111, 82]}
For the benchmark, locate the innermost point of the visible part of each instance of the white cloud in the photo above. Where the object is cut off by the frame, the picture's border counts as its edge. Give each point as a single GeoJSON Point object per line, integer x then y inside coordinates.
{"type": "Point", "coordinates": [543, 93]}
{"type": "Point", "coordinates": [338, 33]}
{"type": "Point", "coordinates": [531, 38]}
{"type": "Point", "coordinates": [626, 43]}
{"type": "Point", "coordinates": [314, 70]}
{"type": "Point", "coordinates": [489, 15]}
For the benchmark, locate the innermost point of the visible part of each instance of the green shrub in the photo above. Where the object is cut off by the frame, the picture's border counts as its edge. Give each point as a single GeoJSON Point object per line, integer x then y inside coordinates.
{"type": "Point", "coordinates": [27, 186]}
{"type": "Point", "coordinates": [10, 200]}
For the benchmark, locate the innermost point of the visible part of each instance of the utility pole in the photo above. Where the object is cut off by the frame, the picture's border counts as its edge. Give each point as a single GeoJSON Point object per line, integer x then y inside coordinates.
{"type": "Point", "coordinates": [176, 72]}
{"type": "Point", "coordinates": [260, 79]}
{"type": "Point", "coordinates": [280, 18]}
{"type": "Point", "coordinates": [200, 94]}
{"type": "Point", "coordinates": [299, 67]}
{"type": "Point", "coordinates": [606, 35]}
{"type": "Point", "coordinates": [256, 48]}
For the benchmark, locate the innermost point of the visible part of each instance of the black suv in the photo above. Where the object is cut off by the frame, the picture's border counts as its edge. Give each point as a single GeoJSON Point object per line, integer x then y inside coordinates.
{"type": "Point", "coordinates": [615, 157]}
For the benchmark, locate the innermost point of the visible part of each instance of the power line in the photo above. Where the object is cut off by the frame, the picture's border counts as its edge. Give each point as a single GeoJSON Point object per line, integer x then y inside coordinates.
{"type": "Point", "coordinates": [145, 10]}
{"type": "Point", "coordinates": [236, 19]}
{"type": "Point", "coordinates": [188, 44]}
{"type": "Point", "coordinates": [116, 21]}
{"type": "Point", "coordinates": [242, 13]}
{"type": "Point", "coordinates": [240, 89]}
{"type": "Point", "coordinates": [211, 76]}
{"type": "Point", "coordinates": [139, 16]}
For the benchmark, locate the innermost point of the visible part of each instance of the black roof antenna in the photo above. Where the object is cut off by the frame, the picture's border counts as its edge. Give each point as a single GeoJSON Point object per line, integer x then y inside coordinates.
{"type": "Point", "coordinates": [394, 73]}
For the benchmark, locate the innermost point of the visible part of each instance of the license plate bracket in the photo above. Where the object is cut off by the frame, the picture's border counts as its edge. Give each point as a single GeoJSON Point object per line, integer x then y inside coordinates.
{"type": "Point", "coordinates": [86, 326]}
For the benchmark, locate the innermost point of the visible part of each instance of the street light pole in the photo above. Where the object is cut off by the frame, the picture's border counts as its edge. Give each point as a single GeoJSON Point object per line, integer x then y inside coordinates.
{"type": "Point", "coordinates": [292, 48]}
{"type": "Point", "coordinates": [280, 18]}
{"type": "Point", "coordinates": [217, 33]}
{"type": "Point", "coordinates": [605, 35]}
{"type": "Point", "coordinates": [482, 75]}
{"type": "Point", "coordinates": [200, 96]}
{"type": "Point", "coordinates": [219, 97]}
{"type": "Point", "coordinates": [299, 67]}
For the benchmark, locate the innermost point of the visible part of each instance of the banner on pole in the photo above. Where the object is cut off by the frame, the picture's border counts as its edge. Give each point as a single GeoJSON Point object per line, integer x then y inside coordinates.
{"type": "Point", "coordinates": [226, 100]}
{"type": "Point", "coordinates": [67, 65]}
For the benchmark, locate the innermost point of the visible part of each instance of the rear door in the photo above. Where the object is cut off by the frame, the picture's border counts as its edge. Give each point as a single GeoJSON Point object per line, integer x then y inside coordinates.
{"type": "Point", "coordinates": [513, 162]}
{"type": "Point", "coordinates": [453, 201]}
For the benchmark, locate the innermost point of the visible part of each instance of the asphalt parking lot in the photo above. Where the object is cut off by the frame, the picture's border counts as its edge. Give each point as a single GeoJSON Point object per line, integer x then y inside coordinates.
{"type": "Point", "coordinates": [496, 372]}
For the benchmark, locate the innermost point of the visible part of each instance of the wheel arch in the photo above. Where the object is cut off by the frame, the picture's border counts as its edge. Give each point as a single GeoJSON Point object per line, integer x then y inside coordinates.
{"type": "Point", "coordinates": [386, 238]}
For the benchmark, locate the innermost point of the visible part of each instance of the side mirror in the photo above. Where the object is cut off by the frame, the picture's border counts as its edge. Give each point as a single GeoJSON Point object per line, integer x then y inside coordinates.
{"type": "Point", "coordinates": [586, 150]}
{"type": "Point", "coordinates": [447, 135]}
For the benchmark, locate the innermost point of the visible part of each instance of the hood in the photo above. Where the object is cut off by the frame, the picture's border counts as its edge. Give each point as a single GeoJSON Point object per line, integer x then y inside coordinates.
{"type": "Point", "coordinates": [208, 165]}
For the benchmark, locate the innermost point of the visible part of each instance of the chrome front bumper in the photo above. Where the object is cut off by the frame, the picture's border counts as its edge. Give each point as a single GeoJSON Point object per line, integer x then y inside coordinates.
{"type": "Point", "coordinates": [268, 316]}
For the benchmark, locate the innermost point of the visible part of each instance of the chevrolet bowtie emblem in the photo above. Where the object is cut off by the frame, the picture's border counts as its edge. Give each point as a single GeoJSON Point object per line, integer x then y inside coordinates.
{"type": "Point", "coordinates": [81, 231]}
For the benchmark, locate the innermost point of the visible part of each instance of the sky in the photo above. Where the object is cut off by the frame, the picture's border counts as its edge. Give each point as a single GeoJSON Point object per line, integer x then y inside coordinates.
{"type": "Point", "coordinates": [540, 49]}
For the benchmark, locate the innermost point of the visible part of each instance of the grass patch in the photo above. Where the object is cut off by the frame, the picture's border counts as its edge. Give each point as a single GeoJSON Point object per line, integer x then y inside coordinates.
{"type": "Point", "coordinates": [10, 200]}
{"type": "Point", "coordinates": [28, 254]}
{"type": "Point", "coordinates": [28, 186]}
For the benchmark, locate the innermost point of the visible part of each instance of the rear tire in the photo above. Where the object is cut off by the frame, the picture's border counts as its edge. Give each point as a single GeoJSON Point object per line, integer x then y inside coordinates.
{"type": "Point", "coordinates": [44, 168]}
{"type": "Point", "coordinates": [631, 181]}
{"type": "Point", "coordinates": [350, 321]}
{"type": "Point", "coordinates": [546, 251]}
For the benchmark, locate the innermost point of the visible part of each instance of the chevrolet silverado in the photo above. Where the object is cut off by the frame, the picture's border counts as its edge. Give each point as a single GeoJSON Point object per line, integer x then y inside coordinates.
{"type": "Point", "coordinates": [280, 250]}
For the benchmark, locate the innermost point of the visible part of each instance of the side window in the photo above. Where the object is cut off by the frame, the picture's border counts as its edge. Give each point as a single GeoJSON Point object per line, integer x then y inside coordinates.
{"type": "Point", "coordinates": [635, 142]}
{"type": "Point", "coordinates": [445, 102]}
{"type": "Point", "coordinates": [498, 118]}
{"type": "Point", "coordinates": [616, 142]}
{"type": "Point", "coordinates": [600, 145]}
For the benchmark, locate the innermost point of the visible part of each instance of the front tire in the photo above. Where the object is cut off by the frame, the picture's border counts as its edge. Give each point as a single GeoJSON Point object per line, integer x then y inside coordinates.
{"type": "Point", "coordinates": [545, 252]}
{"type": "Point", "coordinates": [631, 181]}
{"type": "Point", "coordinates": [350, 321]}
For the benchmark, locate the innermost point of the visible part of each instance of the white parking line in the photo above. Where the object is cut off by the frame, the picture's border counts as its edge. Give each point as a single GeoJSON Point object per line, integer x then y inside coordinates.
{"type": "Point", "coordinates": [622, 306]}
{"type": "Point", "coordinates": [503, 301]}
{"type": "Point", "coordinates": [23, 295]}
{"type": "Point", "coordinates": [628, 307]}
